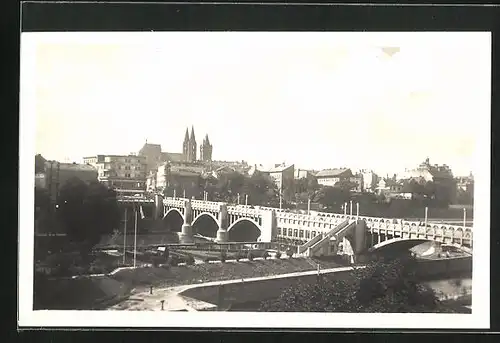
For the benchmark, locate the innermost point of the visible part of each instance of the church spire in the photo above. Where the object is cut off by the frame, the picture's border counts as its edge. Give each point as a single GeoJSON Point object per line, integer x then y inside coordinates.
{"type": "Point", "coordinates": [207, 141]}
{"type": "Point", "coordinates": [186, 137]}
{"type": "Point", "coordinates": [193, 139]}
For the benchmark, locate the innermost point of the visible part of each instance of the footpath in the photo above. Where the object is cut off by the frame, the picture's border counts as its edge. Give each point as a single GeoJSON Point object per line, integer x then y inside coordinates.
{"type": "Point", "coordinates": [143, 300]}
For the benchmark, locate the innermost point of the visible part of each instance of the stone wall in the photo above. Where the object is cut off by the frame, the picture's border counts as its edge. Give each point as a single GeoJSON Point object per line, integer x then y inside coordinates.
{"type": "Point", "coordinates": [260, 289]}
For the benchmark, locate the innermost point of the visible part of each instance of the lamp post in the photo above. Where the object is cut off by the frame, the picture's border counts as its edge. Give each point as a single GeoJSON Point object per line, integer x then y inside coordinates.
{"type": "Point", "coordinates": [175, 194]}
{"type": "Point", "coordinates": [426, 212]}
{"type": "Point", "coordinates": [125, 236]}
{"type": "Point", "coordinates": [184, 194]}
{"type": "Point", "coordinates": [357, 210]}
{"type": "Point", "coordinates": [350, 208]}
{"type": "Point", "coordinates": [465, 216]}
{"type": "Point", "coordinates": [345, 208]}
{"type": "Point", "coordinates": [135, 238]}
{"type": "Point", "coordinates": [309, 206]}
{"type": "Point", "coordinates": [246, 199]}
{"type": "Point", "coordinates": [238, 198]}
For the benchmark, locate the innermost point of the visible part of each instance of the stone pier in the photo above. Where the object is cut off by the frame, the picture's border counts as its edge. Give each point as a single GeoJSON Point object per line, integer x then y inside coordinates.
{"type": "Point", "coordinates": [186, 235]}
{"type": "Point", "coordinates": [223, 224]}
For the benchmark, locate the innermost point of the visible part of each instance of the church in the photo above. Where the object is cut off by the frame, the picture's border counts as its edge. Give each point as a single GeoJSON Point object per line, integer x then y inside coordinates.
{"type": "Point", "coordinates": [189, 148]}
{"type": "Point", "coordinates": [155, 156]}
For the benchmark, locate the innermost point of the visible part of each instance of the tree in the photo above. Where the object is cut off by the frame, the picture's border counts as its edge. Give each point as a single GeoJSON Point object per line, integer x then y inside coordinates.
{"type": "Point", "coordinates": [306, 188]}
{"type": "Point", "coordinates": [87, 211]}
{"type": "Point", "coordinates": [331, 197]}
{"type": "Point", "coordinates": [346, 185]}
{"type": "Point", "coordinates": [388, 285]}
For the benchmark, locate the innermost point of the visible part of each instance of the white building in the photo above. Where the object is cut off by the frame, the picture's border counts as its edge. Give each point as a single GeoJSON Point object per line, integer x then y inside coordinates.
{"type": "Point", "coordinates": [370, 180]}
{"type": "Point", "coordinates": [125, 173]}
{"type": "Point", "coordinates": [330, 177]}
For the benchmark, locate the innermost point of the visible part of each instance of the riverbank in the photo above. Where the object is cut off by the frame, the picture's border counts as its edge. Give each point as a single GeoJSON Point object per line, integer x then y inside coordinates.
{"type": "Point", "coordinates": [86, 292]}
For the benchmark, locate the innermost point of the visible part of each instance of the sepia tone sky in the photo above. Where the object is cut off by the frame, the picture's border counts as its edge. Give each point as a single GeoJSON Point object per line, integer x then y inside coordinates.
{"type": "Point", "coordinates": [317, 100]}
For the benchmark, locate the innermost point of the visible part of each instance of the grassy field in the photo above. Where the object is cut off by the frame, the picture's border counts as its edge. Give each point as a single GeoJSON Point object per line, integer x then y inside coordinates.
{"type": "Point", "coordinates": [206, 272]}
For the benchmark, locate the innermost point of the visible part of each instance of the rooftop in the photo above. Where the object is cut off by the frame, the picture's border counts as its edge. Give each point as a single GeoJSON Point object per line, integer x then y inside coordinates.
{"type": "Point", "coordinates": [333, 172]}
{"type": "Point", "coordinates": [74, 166]}
{"type": "Point", "coordinates": [279, 168]}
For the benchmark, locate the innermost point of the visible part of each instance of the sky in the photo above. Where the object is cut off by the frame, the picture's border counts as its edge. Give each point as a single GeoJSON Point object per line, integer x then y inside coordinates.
{"type": "Point", "coordinates": [317, 100]}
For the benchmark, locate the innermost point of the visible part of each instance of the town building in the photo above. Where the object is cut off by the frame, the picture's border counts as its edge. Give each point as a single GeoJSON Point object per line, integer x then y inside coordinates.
{"type": "Point", "coordinates": [303, 174]}
{"type": "Point", "coordinates": [124, 173]}
{"type": "Point", "coordinates": [241, 167]}
{"type": "Point", "coordinates": [184, 179]}
{"type": "Point", "coordinates": [154, 156]}
{"type": "Point", "coordinates": [441, 175]}
{"type": "Point", "coordinates": [56, 174]}
{"type": "Point", "coordinates": [357, 180]}
{"type": "Point", "coordinates": [283, 176]}
{"type": "Point", "coordinates": [330, 177]}
{"type": "Point", "coordinates": [370, 180]}
{"type": "Point", "coordinates": [389, 187]}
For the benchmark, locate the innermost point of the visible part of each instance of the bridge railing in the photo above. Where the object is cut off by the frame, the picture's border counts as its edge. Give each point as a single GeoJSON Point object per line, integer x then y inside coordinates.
{"type": "Point", "coordinates": [321, 220]}
{"type": "Point", "coordinates": [132, 199]}
{"type": "Point", "coordinates": [244, 211]}
{"type": "Point", "coordinates": [177, 202]}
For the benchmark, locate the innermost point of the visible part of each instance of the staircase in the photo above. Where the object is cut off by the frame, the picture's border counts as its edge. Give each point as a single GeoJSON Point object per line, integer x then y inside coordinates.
{"type": "Point", "coordinates": [303, 248]}
{"type": "Point", "coordinates": [316, 243]}
{"type": "Point", "coordinates": [325, 241]}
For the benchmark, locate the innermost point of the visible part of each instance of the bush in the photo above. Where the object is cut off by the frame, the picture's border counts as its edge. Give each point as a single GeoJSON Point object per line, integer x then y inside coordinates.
{"type": "Point", "coordinates": [381, 287]}
{"type": "Point", "coordinates": [289, 252]}
{"type": "Point", "coordinates": [223, 256]}
{"type": "Point", "coordinates": [173, 261]}
{"type": "Point", "coordinates": [278, 255]}
{"type": "Point", "coordinates": [156, 260]}
{"type": "Point", "coordinates": [95, 270]}
{"type": "Point", "coordinates": [265, 255]}
{"type": "Point", "coordinates": [238, 256]}
{"type": "Point", "coordinates": [189, 260]}
{"type": "Point", "coordinates": [250, 256]}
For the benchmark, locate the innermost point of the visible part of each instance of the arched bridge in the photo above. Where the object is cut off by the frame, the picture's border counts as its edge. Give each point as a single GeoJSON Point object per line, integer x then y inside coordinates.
{"type": "Point", "coordinates": [266, 224]}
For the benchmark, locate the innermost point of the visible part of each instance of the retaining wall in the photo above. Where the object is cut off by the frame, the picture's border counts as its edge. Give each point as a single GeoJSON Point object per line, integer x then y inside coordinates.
{"type": "Point", "coordinates": [260, 289]}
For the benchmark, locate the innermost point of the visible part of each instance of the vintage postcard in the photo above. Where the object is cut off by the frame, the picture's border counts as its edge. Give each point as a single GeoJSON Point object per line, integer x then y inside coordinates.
{"type": "Point", "coordinates": [255, 179]}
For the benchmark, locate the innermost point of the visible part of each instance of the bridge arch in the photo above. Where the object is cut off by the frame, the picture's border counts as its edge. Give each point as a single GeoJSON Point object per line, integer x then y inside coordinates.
{"type": "Point", "coordinates": [244, 230]}
{"type": "Point", "coordinates": [398, 245]}
{"type": "Point", "coordinates": [205, 224]}
{"type": "Point", "coordinates": [173, 220]}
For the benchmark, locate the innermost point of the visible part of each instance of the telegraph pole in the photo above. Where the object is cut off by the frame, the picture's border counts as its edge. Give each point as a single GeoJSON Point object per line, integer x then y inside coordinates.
{"type": "Point", "coordinates": [125, 236]}
{"type": "Point", "coordinates": [135, 237]}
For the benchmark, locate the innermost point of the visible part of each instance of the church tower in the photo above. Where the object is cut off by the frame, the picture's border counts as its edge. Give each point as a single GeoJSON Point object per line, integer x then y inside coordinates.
{"type": "Point", "coordinates": [192, 146]}
{"type": "Point", "coordinates": [206, 150]}
{"type": "Point", "coordinates": [185, 146]}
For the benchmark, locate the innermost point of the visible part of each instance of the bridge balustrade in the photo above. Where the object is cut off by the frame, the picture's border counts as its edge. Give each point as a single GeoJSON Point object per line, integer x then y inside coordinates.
{"type": "Point", "coordinates": [245, 212]}
{"type": "Point", "coordinates": [323, 222]}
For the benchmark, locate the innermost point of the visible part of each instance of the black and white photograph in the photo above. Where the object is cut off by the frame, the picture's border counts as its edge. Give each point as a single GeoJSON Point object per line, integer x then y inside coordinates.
{"type": "Point", "coordinates": [293, 179]}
